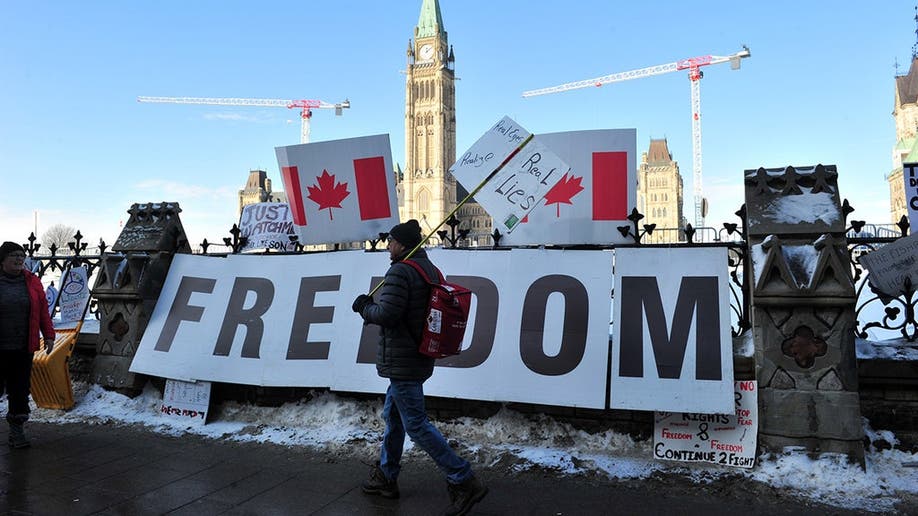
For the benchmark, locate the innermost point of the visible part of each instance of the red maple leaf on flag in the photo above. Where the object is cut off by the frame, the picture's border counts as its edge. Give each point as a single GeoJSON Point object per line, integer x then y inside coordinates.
{"type": "Point", "coordinates": [326, 193]}
{"type": "Point", "coordinates": [563, 191]}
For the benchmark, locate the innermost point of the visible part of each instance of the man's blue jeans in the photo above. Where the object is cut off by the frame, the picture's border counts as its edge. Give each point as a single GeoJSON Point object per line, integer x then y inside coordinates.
{"type": "Point", "coordinates": [404, 412]}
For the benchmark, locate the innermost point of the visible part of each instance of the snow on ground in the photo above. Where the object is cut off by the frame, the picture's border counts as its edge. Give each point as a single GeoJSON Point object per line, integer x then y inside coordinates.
{"type": "Point", "coordinates": [338, 424]}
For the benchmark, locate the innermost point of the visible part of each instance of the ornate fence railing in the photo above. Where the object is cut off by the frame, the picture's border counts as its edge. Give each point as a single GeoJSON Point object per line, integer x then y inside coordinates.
{"type": "Point", "coordinates": [878, 315]}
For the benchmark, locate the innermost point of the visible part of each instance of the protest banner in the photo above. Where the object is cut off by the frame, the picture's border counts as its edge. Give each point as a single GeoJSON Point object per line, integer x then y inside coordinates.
{"type": "Point", "coordinates": [515, 168]}
{"type": "Point", "coordinates": [186, 401]}
{"type": "Point", "coordinates": [672, 347]}
{"type": "Point", "coordinates": [593, 199]}
{"type": "Point", "coordinates": [51, 294]}
{"type": "Point", "coordinates": [340, 190]}
{"type": "Point", "coordinates": [727, 439]}
{"type": "Point", "coordinates": [74, 295]}
{"type": "Point", "coordinates": [910, 178]}
{"type": "Point", "coordinates": [891, 264]}
{"type": "Point", "coordinates": [238, 320]}
{"type": "Point", "coordinates": [266, 225]}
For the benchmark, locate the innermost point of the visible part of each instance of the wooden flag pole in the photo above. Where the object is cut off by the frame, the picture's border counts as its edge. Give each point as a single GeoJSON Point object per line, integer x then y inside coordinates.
{"type": "Point", "coordinates": [459, 205]}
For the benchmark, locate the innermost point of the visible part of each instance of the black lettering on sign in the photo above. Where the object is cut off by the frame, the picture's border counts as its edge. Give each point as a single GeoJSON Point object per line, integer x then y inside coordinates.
{"type": "Point", "coordinates": [181, 310]}
{"type": "Point", "coordinates": [574, 332]}
{"type": "Point", "coordinates": [485, 317]}
{"type": "Point", "coordinates": [237, 315]}
{"type": "Point", "coordinates": [698, 297]}
{"type": "Point", "coordinates": [306, 314]}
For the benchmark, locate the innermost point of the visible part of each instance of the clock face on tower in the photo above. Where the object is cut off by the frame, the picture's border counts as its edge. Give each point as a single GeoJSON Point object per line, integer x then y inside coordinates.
{"type": "Point", "coordinates": [426, 52]}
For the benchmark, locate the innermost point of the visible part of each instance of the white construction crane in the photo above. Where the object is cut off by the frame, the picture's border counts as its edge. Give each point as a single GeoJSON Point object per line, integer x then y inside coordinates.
{"type": "Point", "coordinates": [306, 105]}
{"type": "Point", "coordinates": [693, 65]}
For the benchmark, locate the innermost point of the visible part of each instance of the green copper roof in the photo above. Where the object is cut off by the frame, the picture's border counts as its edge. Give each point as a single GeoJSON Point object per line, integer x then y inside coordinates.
{"type": "Point", "coordinates": [905, 143]}
{"type": "Point", "coordinates": [430, 23]}
{"type": "Point", "coordinates": [913, 153]}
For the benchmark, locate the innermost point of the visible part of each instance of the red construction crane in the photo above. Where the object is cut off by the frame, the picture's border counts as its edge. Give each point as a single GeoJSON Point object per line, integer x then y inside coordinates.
{"type": "Point", "coordinates": [306, 105]}
{"type": "Point", "coordinates": [693, 65]}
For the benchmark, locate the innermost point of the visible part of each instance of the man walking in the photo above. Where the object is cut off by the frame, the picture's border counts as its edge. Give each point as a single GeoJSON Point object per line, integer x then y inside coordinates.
{"type": "Point", "coordinates": [401, 313]}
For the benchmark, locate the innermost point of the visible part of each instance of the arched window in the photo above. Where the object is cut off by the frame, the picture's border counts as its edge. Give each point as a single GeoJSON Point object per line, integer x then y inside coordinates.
{"type": "Point", "coordinates": [423, 200]}
{"type": "Point", "coordinates": [664, 211]}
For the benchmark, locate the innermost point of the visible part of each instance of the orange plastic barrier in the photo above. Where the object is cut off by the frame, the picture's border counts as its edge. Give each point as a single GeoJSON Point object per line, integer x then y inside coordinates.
{"type": "Point", "coordinates": [51, 386]}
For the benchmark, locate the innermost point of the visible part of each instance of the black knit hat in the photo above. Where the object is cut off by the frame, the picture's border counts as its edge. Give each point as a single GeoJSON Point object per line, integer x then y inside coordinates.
{"type": "Point", "coordinates": [9, 247]}
{"type": "Point", "coordinates": [407, 233]}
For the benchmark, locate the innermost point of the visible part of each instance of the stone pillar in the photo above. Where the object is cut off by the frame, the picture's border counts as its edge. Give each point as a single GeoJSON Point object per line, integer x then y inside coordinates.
{"type": "Point", "coordinates": [128, 285]}
{"type": "Point", "coordinates": [803, 312]}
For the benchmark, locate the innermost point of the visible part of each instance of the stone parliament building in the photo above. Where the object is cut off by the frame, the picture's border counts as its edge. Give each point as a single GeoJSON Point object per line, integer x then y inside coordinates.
{"type": "Point", "coordinates": [427, 191]}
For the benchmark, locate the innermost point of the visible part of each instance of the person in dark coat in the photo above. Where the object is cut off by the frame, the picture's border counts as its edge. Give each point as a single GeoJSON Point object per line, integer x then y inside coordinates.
{"type": "Point", "coordinates": [23, 315]}
{"type": "Point", "coordinates": [401, 312]}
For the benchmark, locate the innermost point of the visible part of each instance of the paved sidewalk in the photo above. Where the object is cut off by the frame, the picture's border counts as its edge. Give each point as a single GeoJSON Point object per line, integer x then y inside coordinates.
{"type": "Point", "coordinates": [81, 469]}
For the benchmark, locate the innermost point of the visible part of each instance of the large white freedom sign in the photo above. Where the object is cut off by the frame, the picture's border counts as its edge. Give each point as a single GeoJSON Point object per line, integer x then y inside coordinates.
{"type": "Point", "coordinates": [589, 203]}
{"type": "Point", "coordinates": [287, 321]}
{"type": "Point", "coordinates": [672, 349]}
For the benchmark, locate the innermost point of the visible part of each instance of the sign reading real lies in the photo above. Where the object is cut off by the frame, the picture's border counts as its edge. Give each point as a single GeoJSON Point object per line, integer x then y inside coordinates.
{"type": "Point", "coordinates": [538, 330]}
{"type": "Point", "coordinates": [910, 177]}
{"type": "Point", "coordinates": [531, 171]}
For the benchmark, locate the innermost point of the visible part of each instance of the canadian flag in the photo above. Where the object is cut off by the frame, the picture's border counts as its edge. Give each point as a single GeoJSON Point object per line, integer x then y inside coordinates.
{"type": "Point", "coordinates": [591, 200]}
{"type": "Point", "coordinates": [341, 190]}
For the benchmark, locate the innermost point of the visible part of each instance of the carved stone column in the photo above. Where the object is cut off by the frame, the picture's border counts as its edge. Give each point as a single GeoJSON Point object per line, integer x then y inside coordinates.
{"type": "Point", "coordinates": [803, 312]}
{"type": "Point", "coordinates": [128, 285]}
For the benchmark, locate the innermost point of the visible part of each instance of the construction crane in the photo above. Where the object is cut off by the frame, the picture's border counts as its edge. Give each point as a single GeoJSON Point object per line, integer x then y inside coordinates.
{"type": "Point", "coordinates": [693, 65]}
{"type": "Point", "coordinates": [306, 105]}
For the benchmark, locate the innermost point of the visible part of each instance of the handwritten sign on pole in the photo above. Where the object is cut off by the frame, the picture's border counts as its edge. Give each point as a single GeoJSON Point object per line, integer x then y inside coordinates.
{"type": "Point", "coordinates": [267, 225]}
{"type": "Point", "coordinates": [891, 264]}
{"type": "Point", "coordinates": [728, 439]}
{"type": "Point", "coordinates": [74, 294]}
{"type": "Point", "coordinates": [186, 401]}
{"type": "Point", "coordinates": [530, 170]}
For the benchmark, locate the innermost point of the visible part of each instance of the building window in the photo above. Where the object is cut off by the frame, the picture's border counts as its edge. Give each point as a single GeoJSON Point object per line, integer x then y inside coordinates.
{"type": "Point", "coordinates": [423, 200]}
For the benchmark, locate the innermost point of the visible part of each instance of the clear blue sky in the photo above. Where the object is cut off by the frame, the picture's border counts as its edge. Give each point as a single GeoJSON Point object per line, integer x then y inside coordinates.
{"type": "Point", "coordinates": [77, 146]}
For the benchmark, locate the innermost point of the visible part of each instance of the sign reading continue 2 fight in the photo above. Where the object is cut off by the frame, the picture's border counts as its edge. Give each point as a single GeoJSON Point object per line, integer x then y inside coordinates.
{"type": "Point", "coordinates": [672, 349]}
{"type": "Point", "coordinates": [538, 335]}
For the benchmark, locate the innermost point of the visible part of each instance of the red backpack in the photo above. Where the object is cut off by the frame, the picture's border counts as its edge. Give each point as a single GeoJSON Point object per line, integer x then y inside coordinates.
{"type": "Point", "coordinates": [447, 316]}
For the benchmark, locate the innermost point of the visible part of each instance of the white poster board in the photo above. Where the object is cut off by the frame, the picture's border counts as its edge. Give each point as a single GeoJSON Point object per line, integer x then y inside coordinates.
{"type": "Point", "coordinates": [340, 190]}
{"type": "Point", "coordinates": [74, 294]}
{"type": "Point", "coordinates": [287, 321]}
{"type": "Point", "coordinates": [266, 225]}
{"type": "Point", "coordinates": [591, 201]}
{"type": "Point", "coordinates": [186, 401]}
{"type": "Point", "coordinates": [672, 349]}
{"type": "Point", "coordinates": [727, 439]}
{"type": "Point", "coordinates": [531, 171]}
{"type": "Point", "coordinates": [891, 264]}
{"type": "Point", "coordinates": [910, 178]}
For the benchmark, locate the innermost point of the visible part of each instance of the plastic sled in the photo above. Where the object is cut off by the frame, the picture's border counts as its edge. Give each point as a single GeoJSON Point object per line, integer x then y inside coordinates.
{"type": "Point", "coordinates": [51, 386]}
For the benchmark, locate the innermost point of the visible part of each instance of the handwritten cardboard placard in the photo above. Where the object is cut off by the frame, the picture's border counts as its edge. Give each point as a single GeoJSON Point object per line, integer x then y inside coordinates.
{"type": "Point", "coordinates": [186, 401]}
{"type": "Point", "coordinates": [891, 264]}
{"type": "Point", "coordinates": [727, 439]}
{"type": "Point", "coordinates": [530, 169]}
{"type": "Point", "coordinates": [74, 294]}
{"type": "Point", "coordinates": [267, 225]}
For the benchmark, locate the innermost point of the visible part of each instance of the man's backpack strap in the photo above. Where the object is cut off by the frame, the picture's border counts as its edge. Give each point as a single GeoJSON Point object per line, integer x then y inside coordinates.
{"type": "Point", "coordinates": [423, 274]}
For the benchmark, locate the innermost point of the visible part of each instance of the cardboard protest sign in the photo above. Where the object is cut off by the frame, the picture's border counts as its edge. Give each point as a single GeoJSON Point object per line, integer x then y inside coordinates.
{"type": "Point", "coordinates": [74, 294]}
{"type": "Point", "coordinates": [340, 190]}
{"type": "Point", "coordinates": [521, 171]}
{"type": "Point", "coordinates": [51, 294]}
{"type": "Point", "coordinates": [593, 199]}
{"type": "Point", "coordinates": [186, 401]}
{"type": "Point", "coordinates": [728, 439]}
{"type": "Point", "coordinates": [266, 225]}
{"type": "Point", "coordinates": [891, 264]}
{"type": "Point", "coordinates": [672, 347]}
{"type": "Point", "coordinates": [910, 177]}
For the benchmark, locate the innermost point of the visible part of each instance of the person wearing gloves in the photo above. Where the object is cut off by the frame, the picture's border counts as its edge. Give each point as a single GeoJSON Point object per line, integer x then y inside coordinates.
{"type": "Point", "coordinates": [23, 315]}
{"type": "Point", "coordinates": [401, 312]}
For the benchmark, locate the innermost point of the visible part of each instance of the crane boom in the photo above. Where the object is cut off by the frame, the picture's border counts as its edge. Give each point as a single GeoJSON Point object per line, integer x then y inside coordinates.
{"type": "Point", "coordinates": [693, 65]}
{"type": "Point", "coordinates": [305, 104]}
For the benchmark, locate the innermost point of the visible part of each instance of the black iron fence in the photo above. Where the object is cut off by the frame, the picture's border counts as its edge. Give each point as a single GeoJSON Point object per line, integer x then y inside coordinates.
{"type": "Point", "coordinates": [877, 313]}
